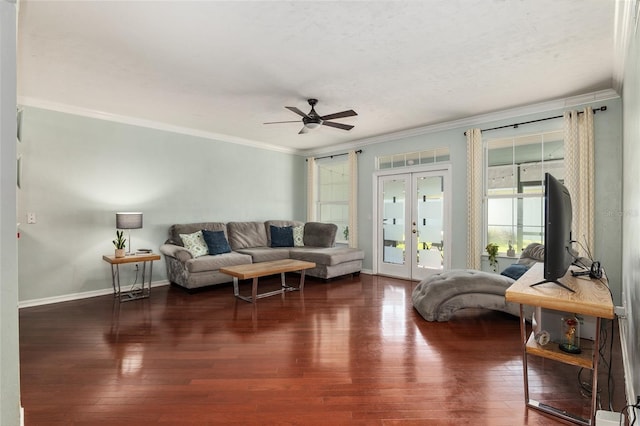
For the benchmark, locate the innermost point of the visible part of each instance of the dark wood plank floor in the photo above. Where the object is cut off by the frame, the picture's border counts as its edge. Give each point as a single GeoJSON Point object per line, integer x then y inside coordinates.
{"type": "Point", "coordinates": [351, 351]}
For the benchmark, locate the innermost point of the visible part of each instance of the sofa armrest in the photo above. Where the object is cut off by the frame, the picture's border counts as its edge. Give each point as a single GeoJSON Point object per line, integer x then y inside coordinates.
{"type": "Point", "coordinates": [180, 253]}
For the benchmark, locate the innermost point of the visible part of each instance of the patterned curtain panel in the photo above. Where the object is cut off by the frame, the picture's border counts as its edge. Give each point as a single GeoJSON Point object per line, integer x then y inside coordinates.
{"type": "Point", "coordinates": [579, 173]}
{"type": "Point", "coordinates": [311, 189]}
{"type": "Point", "coordinates": [353, 199]}
{"type": "Point", "coordinates": [475, 166]}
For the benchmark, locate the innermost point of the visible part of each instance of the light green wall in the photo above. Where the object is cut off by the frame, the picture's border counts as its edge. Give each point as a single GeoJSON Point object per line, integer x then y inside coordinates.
{"type": "Point", "coordinates": [78, 172]}
{"type": "Point", "coordinates": [9, 341]}
{"type": "Point", "coordinates": [630, 215]}
{"type": "Point", "coordinates": [608, 152]}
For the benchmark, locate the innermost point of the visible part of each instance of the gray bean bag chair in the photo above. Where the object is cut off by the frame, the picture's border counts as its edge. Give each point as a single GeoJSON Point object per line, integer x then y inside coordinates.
{"type": "Point", "coordinates": [437, 297]}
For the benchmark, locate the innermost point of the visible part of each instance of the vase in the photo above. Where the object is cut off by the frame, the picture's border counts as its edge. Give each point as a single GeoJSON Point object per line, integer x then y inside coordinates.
{"type": "Point", "coordinates": [120, 253]}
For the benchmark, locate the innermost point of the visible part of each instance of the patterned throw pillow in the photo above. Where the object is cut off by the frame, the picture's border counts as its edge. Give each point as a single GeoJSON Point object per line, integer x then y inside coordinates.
{"type": "Point", "coordinates": [195, 244]}
{"type": "Point", "coordinates": [298, 236]}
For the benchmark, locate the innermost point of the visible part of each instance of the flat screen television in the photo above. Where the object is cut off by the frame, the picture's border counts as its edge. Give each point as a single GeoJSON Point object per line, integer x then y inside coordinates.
{"type": "Point", "coordinates": [558, 254]}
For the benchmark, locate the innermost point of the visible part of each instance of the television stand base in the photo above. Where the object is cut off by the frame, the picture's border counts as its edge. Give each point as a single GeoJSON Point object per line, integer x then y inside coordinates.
{"type": "Point", "coordinates": [554, 282]}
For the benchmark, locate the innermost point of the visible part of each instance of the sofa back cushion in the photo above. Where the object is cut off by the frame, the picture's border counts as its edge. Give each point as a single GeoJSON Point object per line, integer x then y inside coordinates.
{"type": "Point", "coordinates": [190, 228]}
{"type": "Point", "coordinates": [318, 234]}
{"type": "Point", "coordinates": [246, 235]}
{"type": "Point", "coordinates": [279, 224]}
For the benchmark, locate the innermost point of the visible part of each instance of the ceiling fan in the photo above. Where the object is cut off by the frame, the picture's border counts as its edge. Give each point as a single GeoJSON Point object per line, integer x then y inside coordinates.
{"type": "Point", "coordinates": [313, 120]}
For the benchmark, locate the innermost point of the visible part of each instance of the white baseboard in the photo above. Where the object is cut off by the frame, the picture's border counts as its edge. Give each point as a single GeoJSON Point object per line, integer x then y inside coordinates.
{"type": "Point", "coordinates": [76, 296]}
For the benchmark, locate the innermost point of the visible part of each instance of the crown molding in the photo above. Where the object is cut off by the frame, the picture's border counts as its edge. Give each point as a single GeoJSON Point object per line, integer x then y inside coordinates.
{"type": "Point", "coordinates": [468, 122]}
{"type": "Point", "coordinates": [624, 24]}
{"type": "Point", "coordinates": [135, 121]}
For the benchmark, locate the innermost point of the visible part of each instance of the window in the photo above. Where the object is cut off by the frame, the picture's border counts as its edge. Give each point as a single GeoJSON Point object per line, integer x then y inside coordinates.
{"type": "Point", "coordinates": [430, 156]}
{"type": "Point", "coordinates": [333, 195]}
{"type": "Point", "coordinates": [514, 187]}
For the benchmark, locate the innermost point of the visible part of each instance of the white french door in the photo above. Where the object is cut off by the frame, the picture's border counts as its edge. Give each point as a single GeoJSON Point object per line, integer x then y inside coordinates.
{"type": "Point", "coordinates": [413, 230]}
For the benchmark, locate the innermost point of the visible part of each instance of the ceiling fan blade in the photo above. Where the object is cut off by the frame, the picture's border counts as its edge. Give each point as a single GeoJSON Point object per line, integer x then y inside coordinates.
{"type": "Point", "coordinates": [343, 114]}
{"type": "Point", "coordinates": [303, 130]}
{"type": "Point", "coordinates": [278, 122]}
{"type": "Point", "coordinates": [297, 111]}
{"type": "Point", "coordinates": [337, 125]}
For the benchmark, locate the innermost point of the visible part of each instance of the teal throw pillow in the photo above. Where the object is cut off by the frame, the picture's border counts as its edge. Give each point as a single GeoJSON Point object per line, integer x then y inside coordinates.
{"type": "Point", "coordinates": [514, 271]}
{"type": "Point", "coordinates": [281, 236]}
{"type": "Point", "coordinates": [216, 242]}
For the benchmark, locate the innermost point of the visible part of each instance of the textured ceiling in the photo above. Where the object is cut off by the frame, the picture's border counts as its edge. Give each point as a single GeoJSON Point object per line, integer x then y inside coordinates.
{"type": "Point", "coordinates": [225, 68]}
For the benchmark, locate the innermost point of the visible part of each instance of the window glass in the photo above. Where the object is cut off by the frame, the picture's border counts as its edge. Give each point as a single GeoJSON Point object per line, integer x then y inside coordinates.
{"type": "Point", "coordinates": [514, 187]}
{"type": "Point", "coordinates": [333, 195]}
{"type": "Point", "coordinates": [409, 159]}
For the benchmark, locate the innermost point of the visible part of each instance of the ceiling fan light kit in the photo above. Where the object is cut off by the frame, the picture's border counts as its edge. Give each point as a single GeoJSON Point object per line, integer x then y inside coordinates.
{"type": "Point", "coordinates": [313, 120]}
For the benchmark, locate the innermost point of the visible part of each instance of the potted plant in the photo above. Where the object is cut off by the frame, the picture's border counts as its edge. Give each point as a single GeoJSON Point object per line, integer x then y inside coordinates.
{"type": "Point", "coordinates": [346, 233]}
{"type": "Point", "coordinates": [492, 249]}
{"type": "Point", "coordinates": [119, 243]}
{"type": "Point", "coordinates": [511, 251]}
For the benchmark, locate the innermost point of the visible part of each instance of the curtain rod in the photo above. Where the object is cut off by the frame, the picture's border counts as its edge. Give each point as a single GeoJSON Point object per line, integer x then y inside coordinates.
{"type": "Point", "coordinates": [515, 125]}
{"type": "Point", "coordinates": [335, 155]}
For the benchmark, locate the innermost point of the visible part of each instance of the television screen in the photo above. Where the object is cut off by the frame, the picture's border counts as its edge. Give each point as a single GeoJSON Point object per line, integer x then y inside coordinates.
{"type": "Point", "coordinates": [557, 231]}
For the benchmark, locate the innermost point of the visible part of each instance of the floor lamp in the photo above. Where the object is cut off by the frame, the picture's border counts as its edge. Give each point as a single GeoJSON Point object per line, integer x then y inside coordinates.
{"type": "Point", "coordinates": [128, 221]}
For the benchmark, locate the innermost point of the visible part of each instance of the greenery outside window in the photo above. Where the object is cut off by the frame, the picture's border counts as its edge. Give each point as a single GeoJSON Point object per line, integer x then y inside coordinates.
{"type": "Point", "coordinates": [514, 187]}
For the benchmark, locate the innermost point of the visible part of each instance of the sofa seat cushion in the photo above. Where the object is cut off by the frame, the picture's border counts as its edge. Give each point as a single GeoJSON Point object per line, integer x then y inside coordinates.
{"type": "Point", "coordinates": [265, 254]}
{"type": "Point", "coordinates": [213, 263]}
{"type": "Point", "coordinates": [326, 255]}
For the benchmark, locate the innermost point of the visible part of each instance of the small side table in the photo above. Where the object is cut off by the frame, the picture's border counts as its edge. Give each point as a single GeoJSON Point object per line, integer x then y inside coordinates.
{"type": "Point", "coordinates": [115, 263]}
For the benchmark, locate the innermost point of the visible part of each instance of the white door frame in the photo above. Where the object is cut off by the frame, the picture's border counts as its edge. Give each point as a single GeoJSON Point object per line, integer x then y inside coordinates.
{"type": "Point", "coordinates": [445, 171]}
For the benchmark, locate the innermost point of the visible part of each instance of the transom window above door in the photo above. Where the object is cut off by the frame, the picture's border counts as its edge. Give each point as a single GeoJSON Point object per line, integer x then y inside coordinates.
{"type": "Point", "coordinates": [415, 158]}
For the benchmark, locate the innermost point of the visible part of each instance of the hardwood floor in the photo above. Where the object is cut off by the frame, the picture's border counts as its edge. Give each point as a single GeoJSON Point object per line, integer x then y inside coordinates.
{"type": "Point", "coordinates": [351, 351]}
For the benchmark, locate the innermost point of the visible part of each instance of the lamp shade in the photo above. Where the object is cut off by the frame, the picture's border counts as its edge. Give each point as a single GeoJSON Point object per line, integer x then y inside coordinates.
{"type": "Point", "coordinates": [129, 220]}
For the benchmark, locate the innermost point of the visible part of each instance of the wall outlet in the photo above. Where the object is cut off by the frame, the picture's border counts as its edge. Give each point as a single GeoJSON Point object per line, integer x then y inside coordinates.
{"type": "Point", "coordinates": [31, 217]}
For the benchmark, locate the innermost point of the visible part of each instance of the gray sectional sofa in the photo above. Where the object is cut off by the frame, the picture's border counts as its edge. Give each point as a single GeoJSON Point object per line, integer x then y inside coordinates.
{"type": "Point", "coordinates": [251, 242]}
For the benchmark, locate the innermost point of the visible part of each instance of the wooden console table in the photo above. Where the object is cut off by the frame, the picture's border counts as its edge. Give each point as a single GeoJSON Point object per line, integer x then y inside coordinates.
{"type": "Point", "coordinates": [591, 298]}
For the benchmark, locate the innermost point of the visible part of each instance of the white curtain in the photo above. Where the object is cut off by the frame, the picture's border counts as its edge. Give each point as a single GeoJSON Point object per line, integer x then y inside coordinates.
{"type": "Point", "coordinates": [579, 173]}
{"type": "Point", "coordinates": [353, 199]}
{"type": "Point", "coordinates": [475, 167]}
{"type": "Point", "coordinates": [311, 189]}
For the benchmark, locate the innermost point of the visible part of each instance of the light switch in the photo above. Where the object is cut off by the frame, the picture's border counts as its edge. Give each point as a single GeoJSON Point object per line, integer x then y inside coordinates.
{"type": "Point", "coordinates": [31, 218]}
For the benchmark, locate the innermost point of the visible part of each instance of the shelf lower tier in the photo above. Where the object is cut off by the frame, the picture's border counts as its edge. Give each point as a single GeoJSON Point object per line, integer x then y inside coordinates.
{"type": "Point", "coordinates": [552, 351]}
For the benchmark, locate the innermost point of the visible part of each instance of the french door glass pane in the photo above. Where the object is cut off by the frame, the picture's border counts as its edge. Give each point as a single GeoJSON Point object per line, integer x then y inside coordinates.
{"type": "Point", "coordinates": [394, 243]}
{"type": "Point", "coordinates": [429, 227]}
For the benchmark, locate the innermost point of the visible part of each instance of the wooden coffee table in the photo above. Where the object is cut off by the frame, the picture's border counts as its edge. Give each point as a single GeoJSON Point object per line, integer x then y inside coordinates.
{"type": "Point", "coordinates": [263, 269]}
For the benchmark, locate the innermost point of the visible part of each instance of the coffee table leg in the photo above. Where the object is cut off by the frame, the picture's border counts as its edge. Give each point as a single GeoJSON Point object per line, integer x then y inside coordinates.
{"type": "Point", "coordinates": [254, 290]}
{"type": "Point", "coordinates": [236, 290]}
{"type": "Point", "coordinates": [301, 286]}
